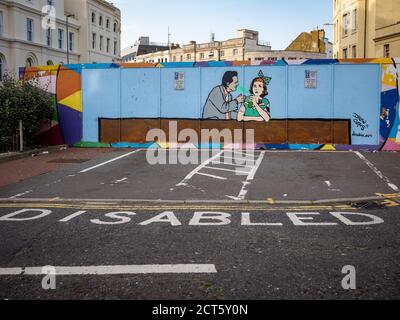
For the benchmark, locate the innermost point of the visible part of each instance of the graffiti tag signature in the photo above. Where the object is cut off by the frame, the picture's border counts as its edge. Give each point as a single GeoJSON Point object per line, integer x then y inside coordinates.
{"type": "Point", "coordinates": [360, 122]}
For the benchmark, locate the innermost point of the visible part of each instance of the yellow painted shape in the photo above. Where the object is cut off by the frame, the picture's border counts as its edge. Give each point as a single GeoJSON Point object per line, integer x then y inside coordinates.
{"type": "Point", "coordinates": [382, 61]}
{"type": "Point", "coordinates": [73, 101]}
{"type": "Point", "coordinates": [164, 145]}
{"type": "Point", "coordinates": [389, 76]}
{"type": "Point", "coordinates": [390, 203]}
{"type": "Point", "coordinates": [328, 147]}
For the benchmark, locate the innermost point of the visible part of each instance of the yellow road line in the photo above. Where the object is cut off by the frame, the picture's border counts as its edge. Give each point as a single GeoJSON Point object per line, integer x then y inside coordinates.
{"type": "Point", "coordinates": [174, 207]}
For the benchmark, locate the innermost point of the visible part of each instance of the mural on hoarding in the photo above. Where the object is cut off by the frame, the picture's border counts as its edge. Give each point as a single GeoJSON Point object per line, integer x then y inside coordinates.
{"type": "Point", "coordinates": [237, 95]}
{"type": "Point", "coordinates": [64, 84]}
{"type": "Point", "coordinates": [221, 105]}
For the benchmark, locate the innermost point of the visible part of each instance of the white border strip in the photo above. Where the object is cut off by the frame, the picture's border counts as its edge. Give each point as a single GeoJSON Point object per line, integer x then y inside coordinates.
{"type": "Point", "coordinates": [377, 172]}
{"type": "Point", "coordinates": [113, 270]}
{"type": "Point", "coordinates": [109, 161]}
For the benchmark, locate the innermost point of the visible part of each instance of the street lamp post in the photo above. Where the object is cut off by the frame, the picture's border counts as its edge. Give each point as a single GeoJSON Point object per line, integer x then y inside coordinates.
{"type": "Point", "coordinates": [67, 36]}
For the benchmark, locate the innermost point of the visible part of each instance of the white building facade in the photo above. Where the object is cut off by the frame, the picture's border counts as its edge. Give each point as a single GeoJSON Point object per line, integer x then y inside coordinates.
{"type": "Point", "coordinates": [34, 32]}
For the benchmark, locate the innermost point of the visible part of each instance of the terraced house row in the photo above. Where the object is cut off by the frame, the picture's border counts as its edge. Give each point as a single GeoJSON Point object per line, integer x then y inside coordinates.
{"type": "Point", "coordinates": [47, 32]}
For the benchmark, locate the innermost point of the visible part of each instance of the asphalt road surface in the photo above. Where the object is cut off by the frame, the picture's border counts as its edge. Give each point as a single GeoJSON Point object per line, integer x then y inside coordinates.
{"type": "Point", "coordinates": [283, 225]}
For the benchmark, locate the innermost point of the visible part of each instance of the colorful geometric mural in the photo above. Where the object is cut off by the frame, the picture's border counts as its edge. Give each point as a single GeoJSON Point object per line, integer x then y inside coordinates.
{"type": "Point", "coordinates": [45, 78]}
{"type": "Point", "coordinates": [133, 102]}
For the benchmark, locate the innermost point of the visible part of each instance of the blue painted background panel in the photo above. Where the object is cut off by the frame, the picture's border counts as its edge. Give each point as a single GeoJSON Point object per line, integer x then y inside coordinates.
{"type": "Point", "coordinates": [180, 103]}
{"type": "Point", "coordinates": [101, 99]}
{"type": "Point", "coordinates": [357, 96]}
{"type": "Point", "coordinates": [304, 103]}
{"type": "Point", "coordinates": [140, 96]}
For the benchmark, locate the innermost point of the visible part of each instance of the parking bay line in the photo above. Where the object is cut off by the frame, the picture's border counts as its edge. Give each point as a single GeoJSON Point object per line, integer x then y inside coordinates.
{"type": "Point", "coordinates": [377, 172]}
{"type": "Point", "coordinates": [114, 270]}
{"type": "Point", "coordinates": [109, 161]}
{"type": "Point", "coordinates": [243, 192]}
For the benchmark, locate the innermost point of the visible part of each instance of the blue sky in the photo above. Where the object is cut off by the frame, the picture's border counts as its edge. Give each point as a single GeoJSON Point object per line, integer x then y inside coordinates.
{"type": "Point", "coordinates": [278, 22]}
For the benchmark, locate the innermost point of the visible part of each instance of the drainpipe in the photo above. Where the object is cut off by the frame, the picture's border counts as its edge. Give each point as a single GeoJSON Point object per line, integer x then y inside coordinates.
{"type": "Point", "coordinates": [365, 29]}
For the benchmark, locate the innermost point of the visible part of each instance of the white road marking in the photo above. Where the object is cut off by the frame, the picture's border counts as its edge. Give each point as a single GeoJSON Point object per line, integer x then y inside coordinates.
{"type": "Point", "coordinates": [21, 194]}
{"type": "Point", "coordinates": [232, 164]}
{"type": "Point", "coordinates": [250, 177]}
{"type": "Point", "coordinates": [377, 172]}
{"type": "Point", "coordinates": [195, 171]}
{"type": "Point", "coordinates": [243, 192]}
{"type": "Point", "coordinates": [240, 170]}
{"type": "Point", "coordinates": [114, 270]}
{"type": "Point", "coordinates": [109, 161]}
{"type": "Point", "coordinates": [211, 176]}
{"type": "Point", "coordinates": [246, 160]}
{"type": "Point", "coordinates": [328, 183]}
{"type": "Point", "coordinates": [72, 216]}
{"type": "Point", "coordinates": [245, 155]}
{"type": "Point", "coordinates": [227, 170]}
{"type": "Point", "coordinates": [119, 181]}
{"type": "Point", "coordinates": [256, 166]}
{"type": "Point", "coordinates": [10, 271]}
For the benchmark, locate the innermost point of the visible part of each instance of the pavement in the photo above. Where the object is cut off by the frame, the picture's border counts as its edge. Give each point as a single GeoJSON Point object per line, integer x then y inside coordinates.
{"type": "Point", "coordinates": [282, 225]}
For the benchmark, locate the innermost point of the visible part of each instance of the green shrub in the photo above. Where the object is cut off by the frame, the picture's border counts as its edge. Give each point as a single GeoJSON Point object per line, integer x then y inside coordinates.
{"type": "Point", "coordinates": [26, 102]}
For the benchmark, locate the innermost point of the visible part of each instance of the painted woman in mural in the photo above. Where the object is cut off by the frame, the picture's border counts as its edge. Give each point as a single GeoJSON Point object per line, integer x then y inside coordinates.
{"type": "Point", "coordinates": [256, 106]}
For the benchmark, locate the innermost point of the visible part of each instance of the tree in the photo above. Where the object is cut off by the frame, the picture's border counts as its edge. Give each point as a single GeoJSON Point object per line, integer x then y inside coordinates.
{"type": "Point", "coordinates": [22, 101]}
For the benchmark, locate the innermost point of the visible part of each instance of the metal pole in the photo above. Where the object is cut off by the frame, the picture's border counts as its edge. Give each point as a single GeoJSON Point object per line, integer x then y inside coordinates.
{"type": "Point", "coordinates": [365, 28]}
{"type": "Point", "coordinates": [67, 41]}
{"type": "Point", "coordinates": [21, 136]}
{"type": "Point", "coordinates": [67, 27]}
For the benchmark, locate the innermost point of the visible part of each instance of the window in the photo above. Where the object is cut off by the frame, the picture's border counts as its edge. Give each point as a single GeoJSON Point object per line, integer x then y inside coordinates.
{"type": "Point", "coordinates": [354, 20]}
{"type": "Point", "coordinates": [108, 24]}
{"type": "Point", "coordinates": [29, 62]}
{"type": "Point", "coordinates": [235, 52]}
{"type": "Point", "coordinates": [345, 55]}
{"type": "Point", "coordinates": [48, 37]}
{"type": "Point", "coordinates": [60, 38]}
{"type": "Point", "coordinates": [345, 25]}
{"type": "Point", "coordinates": [115, 26]}
{"type": "Point", "coordinates": [174, 59]}
{"type": "Point", "coordinates": [222, 53]}
{"type": "Point", "coordinates": [29, 29]}
{"type": "Point", "coordinates": [93, 41]}
{"type": "Point", "coordinates": [181, 58]}
{"type": "Point", "coordinates": [49, 63]}
{"type": "Point", "coordinates": [386, 50]}
{"type": "Point", "coordinates": [71, 41]}
{"type": "Point", "coordinates": [101, 21]}
{"type": "Point", "coordinates": [101, 43]}
{"type": "Point", "coordinates": [188, 56]}
{"type": "Point", "coordinates": [354, 52]}
{"type": "Point", "coordinates": [1, 23]}
{"type": "Point", "coordinates": [108, 44]}
{"type": "Point", "coordinates": [93, 17]}
{"type": "Point", "coordinates": [202, 55]}
{"type": "Point", "coordinates": [115, 48]}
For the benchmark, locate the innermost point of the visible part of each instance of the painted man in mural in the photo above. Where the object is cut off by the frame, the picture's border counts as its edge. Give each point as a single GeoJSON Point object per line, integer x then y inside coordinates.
{"type": "Point", "coordinates": [220, 104]}
{"type": "Point", "coordinates": [256, 107]}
